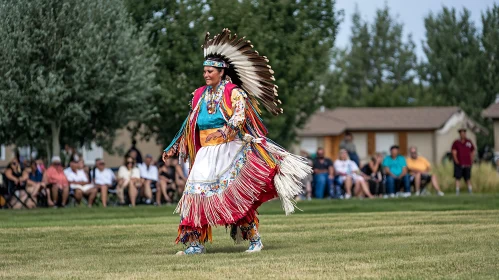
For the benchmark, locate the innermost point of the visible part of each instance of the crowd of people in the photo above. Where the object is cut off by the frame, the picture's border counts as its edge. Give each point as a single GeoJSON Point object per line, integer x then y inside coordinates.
{"type": "Point", "coordinates": [387, 177]}
{"type": "Point", "coordinates": [30, 184]}
{"type": "Point", "coordinates": [144, 180]}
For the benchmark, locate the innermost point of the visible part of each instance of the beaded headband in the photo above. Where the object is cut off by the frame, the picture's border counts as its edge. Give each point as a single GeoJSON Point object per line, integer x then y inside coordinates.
{"type": "Point", "coordinates": [215, 64]}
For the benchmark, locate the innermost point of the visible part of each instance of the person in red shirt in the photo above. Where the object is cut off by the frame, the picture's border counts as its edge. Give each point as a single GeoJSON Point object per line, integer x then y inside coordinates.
{"type": "Point", "coordinates": [463, 152]}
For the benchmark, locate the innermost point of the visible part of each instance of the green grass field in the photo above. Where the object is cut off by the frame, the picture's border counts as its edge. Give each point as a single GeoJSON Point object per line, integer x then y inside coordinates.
{"type": "Point", "coordinates": [417, 238]}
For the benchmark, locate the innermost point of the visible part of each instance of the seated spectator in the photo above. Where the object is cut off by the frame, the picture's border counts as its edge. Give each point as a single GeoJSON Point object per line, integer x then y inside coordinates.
{"type": "Point", "coordinates": [166, 183]}
{"type": "Point", "coordinates": [323, 174]}
{"type": "Point", "coordinates": [419, 167]}
{"type": "Point", "coordinates": [348, 173]}
{"type": "Point", "coordinates": [180, 179]}
{"type": "Point", "coordinates": [128, 178]}
{"type": "Point", "coordinates": [374, 176]}
{"type": "Point", "coordinates": [149, 175]}
{"type": "Point", "coordinates": [35, 182]}
{"type": "Point", "coordinates": [307, 181]}
{"type": "Point", "coordinates": [103, 179]}
{"type": "Point", "coordinates": [78, 181]}
{"type": "Point", "coordinates": [396, 172]}
{"type": "Point", "coordinates": [40, 165]}
{"type": "Point", "coordinates": [136, 156]}
{"type": "Point", "coordinates": [16, 183]}
{"type": "Point", "coordinates": [56, 179]}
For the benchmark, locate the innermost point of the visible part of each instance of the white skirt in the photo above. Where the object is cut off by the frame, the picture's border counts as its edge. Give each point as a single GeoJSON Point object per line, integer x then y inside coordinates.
{"type": "Point", "coordinates": [215, 167]}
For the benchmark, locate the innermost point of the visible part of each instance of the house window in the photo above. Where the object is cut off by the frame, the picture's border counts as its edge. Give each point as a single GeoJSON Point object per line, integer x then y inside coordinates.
{"type": "Point", "coordinates": [25, 153]}
{"type": "Point", "coordinates": [384, 141]}
{"type": "Point", "coordinates": [2, 152]}
{"type": "Point", "coordinates": [92, 153]}
{"type": "Point", "coordinates": [309, 144]}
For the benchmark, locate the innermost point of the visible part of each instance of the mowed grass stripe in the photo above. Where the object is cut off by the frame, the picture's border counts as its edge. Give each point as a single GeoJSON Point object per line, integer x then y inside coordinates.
{"type": "Point", "coordinates": [330, 245]}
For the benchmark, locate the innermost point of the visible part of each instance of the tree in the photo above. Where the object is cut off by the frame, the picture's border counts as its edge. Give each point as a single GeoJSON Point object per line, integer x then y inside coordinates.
{"type": "Point", "coordinates": [71, 70]}
{"type": "Point", "coordinates": [490, 42]}
{"type": "Point", "coordinates": [295, 35]}
{"type": "Point", "coordinates": [176, 30]}
{"type": "Point", "coordinates": [378, 68]}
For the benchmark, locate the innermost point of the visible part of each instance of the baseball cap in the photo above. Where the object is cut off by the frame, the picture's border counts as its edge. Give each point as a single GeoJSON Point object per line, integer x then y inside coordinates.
{"type": "Point", "coordinates": [56, 159]}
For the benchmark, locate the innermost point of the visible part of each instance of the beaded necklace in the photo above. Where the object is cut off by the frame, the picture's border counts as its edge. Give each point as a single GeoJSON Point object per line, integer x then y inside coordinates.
{"type": "Point", "coordinates": [212, 98]}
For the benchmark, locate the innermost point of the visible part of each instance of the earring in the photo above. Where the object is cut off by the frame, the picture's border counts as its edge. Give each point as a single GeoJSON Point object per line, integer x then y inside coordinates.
{"type": "Point", "coordinates": [228, 79]}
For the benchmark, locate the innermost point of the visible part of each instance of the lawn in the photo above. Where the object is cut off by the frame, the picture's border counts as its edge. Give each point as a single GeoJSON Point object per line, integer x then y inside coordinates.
{"type": "Point", "coordinates": [415, 238]}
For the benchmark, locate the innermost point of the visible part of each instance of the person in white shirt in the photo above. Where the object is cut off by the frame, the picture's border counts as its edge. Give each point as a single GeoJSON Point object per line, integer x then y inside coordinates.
{"type": "Point", "coordinates": [103, 179]}
{"type": "Point", "coordinates": [128, 177]}
{"type": "Point", "coordinates": [149, 174]}
{"type": "Point", "coordinates": [78, 181]}
{"type": "Point", "coordinates": [348, 173]}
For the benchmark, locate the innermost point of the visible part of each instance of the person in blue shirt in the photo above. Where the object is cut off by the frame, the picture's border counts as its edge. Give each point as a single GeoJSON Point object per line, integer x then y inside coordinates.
{"type": "Point", "coordinates": [395, 168]}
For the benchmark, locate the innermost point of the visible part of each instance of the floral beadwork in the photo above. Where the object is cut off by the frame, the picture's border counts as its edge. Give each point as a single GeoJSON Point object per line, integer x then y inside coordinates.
{"type": "Point", "coordinates": [209, 189]}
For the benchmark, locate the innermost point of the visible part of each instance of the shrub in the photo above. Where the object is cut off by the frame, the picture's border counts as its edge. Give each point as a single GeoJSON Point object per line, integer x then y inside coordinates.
{"type": "Point", "coordinates": [484, 178]}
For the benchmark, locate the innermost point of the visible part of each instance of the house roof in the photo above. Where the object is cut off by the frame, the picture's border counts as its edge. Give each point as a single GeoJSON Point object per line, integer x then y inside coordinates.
{"type": "Point", "coordinates": [334, 122]}
{"type": "Point", "coordinates": [492, 111]}
{"type": "Point", "coordinates": [321, 124]}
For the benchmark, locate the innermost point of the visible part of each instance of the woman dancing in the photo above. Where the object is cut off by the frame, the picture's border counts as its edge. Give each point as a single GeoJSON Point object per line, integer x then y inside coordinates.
{"type": "Point", "coordinates": [234, 167]}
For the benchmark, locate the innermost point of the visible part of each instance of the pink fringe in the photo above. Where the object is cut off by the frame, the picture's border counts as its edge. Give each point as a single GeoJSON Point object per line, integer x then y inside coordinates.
{"type": "Point", "coordinates": [252, 187]}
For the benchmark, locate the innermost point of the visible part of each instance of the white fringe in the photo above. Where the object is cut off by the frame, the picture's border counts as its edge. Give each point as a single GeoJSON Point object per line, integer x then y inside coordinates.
{"type": "Point", "coordinates": [292, 169]}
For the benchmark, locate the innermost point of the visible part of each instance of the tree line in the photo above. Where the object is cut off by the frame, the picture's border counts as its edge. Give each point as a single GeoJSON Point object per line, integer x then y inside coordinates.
{"type": "Point", "coordinates": [73, 72]}
{"type": "Point", "coordinates": [460, 66]}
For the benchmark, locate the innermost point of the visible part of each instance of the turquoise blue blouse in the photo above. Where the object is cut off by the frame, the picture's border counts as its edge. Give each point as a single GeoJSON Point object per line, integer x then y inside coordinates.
{"type": "Point", "coordinates": [207, 120]}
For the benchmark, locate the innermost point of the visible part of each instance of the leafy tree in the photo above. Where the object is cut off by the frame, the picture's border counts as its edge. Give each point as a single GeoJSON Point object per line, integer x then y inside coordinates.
{"type": "Point", "coordinates": [71, 70]}
{"type": "Point", "coordinates": [378, 68]}
{"type": "Point", "coordinates": [296, 36]}
{"type": "Point", "coordinates": [453, 56]}
{"type": "Point", "coordinates": [176, 30]}
{"type": "Point", "coordinates": [490, 43]}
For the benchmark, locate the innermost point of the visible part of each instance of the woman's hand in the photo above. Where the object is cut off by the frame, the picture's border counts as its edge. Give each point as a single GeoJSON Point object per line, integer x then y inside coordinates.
{"type": "Point", "coordinates": [214, 136]}
{"type": "Point", "coordinates": [167, 155]}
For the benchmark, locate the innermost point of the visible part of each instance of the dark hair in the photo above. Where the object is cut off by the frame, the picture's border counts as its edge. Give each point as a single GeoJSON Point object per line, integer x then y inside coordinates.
{"type": "Point", "coordinates": [348, 134]}
{"type": "Point", "coordinates": [394, 147]}
{"type": "Point", "coordinates": [127, 157]}
{"type": "Point", "coordinates": [227, 71]}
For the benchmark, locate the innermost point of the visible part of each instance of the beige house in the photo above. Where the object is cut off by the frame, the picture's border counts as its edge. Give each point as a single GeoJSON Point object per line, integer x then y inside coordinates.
{"type": "Point", "coordinates": [122, 143]}
{"type": "Point", "coordinates": [431, 129]}
{"type": "Point", "coordinates": [492, 112]}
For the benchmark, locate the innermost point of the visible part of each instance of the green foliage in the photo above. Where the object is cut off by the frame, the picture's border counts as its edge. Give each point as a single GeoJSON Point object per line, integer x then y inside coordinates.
{"type": "Point", "coordinates": [462, 67]}
{"type": "Point", "coordinates": [71, 70]}
{"type": "Point", "coordinates": [484, 179]}
{"type": "Point", "coordinates": [377, 68]}
{"type": "Point", "coordinates": [453, 67]}
{"type": "Point", "coordinates": [295, 35]}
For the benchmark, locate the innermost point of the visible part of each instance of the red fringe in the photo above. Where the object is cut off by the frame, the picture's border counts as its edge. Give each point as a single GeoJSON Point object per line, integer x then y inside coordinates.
{"type": "Point", "coordinates": [252, 187]}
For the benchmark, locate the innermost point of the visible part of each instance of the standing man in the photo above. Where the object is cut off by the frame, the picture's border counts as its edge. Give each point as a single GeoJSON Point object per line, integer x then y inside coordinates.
{"type": "Point", "coordinates": [323, 174]}
{"type": "Point", "coordinates": [349, 145]}
{"type": "Point", "coordinates": [463, 153]}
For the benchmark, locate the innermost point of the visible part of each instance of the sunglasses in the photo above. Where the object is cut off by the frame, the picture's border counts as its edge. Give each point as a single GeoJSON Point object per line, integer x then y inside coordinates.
{"type": "Point", "coordinates": [129, 162]}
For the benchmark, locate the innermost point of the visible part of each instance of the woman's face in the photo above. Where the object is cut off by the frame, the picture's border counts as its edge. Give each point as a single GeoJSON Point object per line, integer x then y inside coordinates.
{"type": "Point", "coordinates": [343, 155]}
{"type": "Point", "coordinates": [129, 163]}
{"type": "Point", "coordinates": [212, 76]}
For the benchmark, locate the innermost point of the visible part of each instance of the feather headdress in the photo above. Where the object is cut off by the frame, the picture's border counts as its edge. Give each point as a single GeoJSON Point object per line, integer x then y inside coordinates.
{"type": "Point", "coordinates": [251, 71]}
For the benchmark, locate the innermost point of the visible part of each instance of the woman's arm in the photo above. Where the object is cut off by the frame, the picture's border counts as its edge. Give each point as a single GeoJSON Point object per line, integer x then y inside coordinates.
{"type": "Point", "coordinates": [8, 174]}
{"type": "Point", "coordinates": [179, 172]}
{"type": "Point", "coordinates": [178, 141]}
